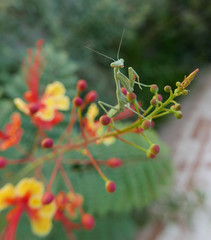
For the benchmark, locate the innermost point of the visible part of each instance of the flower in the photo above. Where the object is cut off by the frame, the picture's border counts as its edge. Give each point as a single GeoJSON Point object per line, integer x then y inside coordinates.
{"type": "Point", "coordinates": [69, 203]}
{"type": "Point", "coordinates": [94, 128]}
{"type": "Point", "coordinates": [67, 209]}
{"type": "Point", "coordinates": [26, 196]}
{"type": "Point", "coordinates": [42, 109]}
{"type": "Point", "coordinates": [12, 133]}
{"type": "Point", "coordinates": [187, 80]}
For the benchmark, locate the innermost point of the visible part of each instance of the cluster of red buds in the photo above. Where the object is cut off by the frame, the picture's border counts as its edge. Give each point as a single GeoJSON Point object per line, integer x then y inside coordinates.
{"type": "Point", "coordinates": [34, 196]}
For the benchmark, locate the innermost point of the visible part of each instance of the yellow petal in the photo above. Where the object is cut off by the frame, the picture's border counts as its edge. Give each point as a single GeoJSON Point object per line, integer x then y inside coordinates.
{"type": "Point", "coordinates": [48, 210]}
{"type": "Point", "coordinates": [35, 202]}
{"type": "Point", "coordinates": [41, 227]}
{"type": "Point", "coordinates": [55, 89]}
{"type": "Point", "coordinates": [92, 112]}
{"type": "Point", "coordinates": [7, 192]}
{"type": "Point", "coordinates": [29, 185]}
{"type": "Point", "coordinates": [108, 141]}
{"type": "Point", "coordinates": [21, 105]}
{"type": "Point", "coordinates": [62, 103]}
{"type": "Point", "coordinates": [47, 114]}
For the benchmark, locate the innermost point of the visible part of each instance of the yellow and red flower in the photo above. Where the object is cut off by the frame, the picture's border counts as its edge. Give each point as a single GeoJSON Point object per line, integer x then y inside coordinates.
{"type": "Point", "coordinates": [26, 196]}
{"type": "Point", "coordinates": [67, 206]}
{"type": "Point", "coordinates": [12, 133]}
{"type": "Point", "coordinates": [44, 109]}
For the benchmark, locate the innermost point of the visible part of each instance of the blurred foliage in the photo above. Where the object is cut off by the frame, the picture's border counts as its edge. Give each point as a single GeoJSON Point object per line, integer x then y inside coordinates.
{"type": "Point", "coordinates": [164, 40]}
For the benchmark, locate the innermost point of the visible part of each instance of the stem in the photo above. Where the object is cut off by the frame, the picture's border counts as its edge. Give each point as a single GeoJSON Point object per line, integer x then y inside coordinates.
{"type": "Point", "coordinates": [53, 175]}
{"type": "Point", "coordinates": [95, 164]}
{"type": "Point", "coordinates": [132, 144]}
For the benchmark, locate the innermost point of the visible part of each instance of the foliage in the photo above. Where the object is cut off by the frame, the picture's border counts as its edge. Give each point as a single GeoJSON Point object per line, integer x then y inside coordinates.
{"type": "Point", "coordinates": [163, 39]}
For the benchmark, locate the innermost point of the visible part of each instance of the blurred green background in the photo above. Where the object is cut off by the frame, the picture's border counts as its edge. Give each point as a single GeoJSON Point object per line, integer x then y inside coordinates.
{"type": "Point", "coordinates": [164, 40]}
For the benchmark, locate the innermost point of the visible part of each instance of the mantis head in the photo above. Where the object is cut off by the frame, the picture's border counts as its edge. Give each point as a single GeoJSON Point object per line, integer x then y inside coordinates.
{"type": "Point", "coordinates": [118, 63]}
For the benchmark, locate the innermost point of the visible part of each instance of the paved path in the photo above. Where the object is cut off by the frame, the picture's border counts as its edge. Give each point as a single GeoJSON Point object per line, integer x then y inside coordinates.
{"type": "Point", "coordinates": [190, 142]}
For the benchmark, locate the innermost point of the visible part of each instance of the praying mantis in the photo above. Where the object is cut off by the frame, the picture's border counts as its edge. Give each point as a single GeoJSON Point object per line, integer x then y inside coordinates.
{"type": "Point", "coordinates": [121, 80]}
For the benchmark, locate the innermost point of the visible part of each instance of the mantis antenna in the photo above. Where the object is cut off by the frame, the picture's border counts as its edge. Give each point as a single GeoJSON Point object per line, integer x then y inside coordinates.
{"type": "Point", "coordinates": [99, 53]}
{"type": "Point", "coordinates": [123, 32]}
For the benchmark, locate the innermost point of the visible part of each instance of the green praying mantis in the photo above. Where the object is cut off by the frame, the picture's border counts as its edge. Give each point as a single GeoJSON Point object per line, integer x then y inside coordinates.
{"type": "Point", "coordinates": [121, 80]}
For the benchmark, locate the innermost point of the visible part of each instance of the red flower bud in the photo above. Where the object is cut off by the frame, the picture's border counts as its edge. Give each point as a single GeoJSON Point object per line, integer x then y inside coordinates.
{"type": "Point", "coordinates": [153, 102]}
{"type": "Point", "coordinates": [33, 108]}
{"type": "Point", "coordinates": [110, 186]}
{"type": "Point", "coordinates": [77, 101]}
{"type": "Point", "coordinates": [146, 124]}
{"type": "Point", "coordinates": [81, 85]}
{"type": "Point", "coordinates": [154, 88]}
{"type": "Point", "coordinates": [131, 96]}
{"type": "Point", "coordinates": [124, 91]}
{"type": "Point", "coordinates": [47, 198]}
{"type": "Point", "coordinates": [167, 88]}
{"type": "Point", "coordinates": [150, 155]}
{"type": "Point", "coordinates": [87, 221]}
{"type": "Point", "coordinates": [154, 149]}
{"type": "Point", "coordinates": [47, 143]}
{"type": "Point", "coordinates": [3, 162]}
{"type": "Point", "coordinates": [152, 124]}
{"type": "Point", "coordinates": [160, 98]}
{"type": "Point", "coordinates": [105, 120]}
{"type": "Point", "coordinates": [114, 162]}
{"type": "Point", "coordinates": [91, 96]}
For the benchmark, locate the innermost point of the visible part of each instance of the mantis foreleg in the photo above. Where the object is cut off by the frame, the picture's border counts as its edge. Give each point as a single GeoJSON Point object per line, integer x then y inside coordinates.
{"type": "Point", "coordinates": [133, 75]}
{"type": "Point", "coordinates": [124, 81]}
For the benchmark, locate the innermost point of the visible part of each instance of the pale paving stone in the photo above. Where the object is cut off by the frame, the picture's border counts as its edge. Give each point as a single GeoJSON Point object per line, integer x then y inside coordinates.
{"type": "Point", "coordinates": [192, 159]}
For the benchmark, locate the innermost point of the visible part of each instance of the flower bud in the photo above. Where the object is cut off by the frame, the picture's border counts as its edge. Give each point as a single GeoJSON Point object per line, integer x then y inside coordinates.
{"type": "Point", "coordinates": [173, 108]}
{"type": "Point", "coordinates": [114, 162]}
{"type": "Point", "coordinates": [77, 101]}
{"type": "Point", "coordinates": [131, 96]}
{"type": "Point", "coordinates": [47, 198]}
{"type": "Point", "coordinates": [47, 143]}
{"type": "Point", "coordinates": [150, 155]}
{"type": "Point", "coordinates": [167, 88]}
{"type": "Point", "coordinates": [160, 97]}
{"type": "Point", "coordinates": [154, 149]}
{"type": "Point", "coordinates": [178, 107]}
{"type": "Point", "coordinates": [154, 102]}
{"type": "Point", "coordinates": [184, 92]}
{"type": "Point", "coordinates": [152, 124]}
{"type": "Point", "coordinates": [33, 108]}
{"type": "Point", "coordinates": [87, 221]}
{"type": "Point", "coordinates": [110, 186]}
{"type": "Point", "coordinates": [124, 91]}
{"type": "Point", "coordinates": [178, 114]}
{"type": "Point", "coordinates": [81, 85]}
{"type": "Point", "coordinates": [91, 96]}
{"type": "Point", "coordinates": [154, 88]}
{"type": "Point", "coordinates": [105, 120]}
{"type": "Point", "coordinates": [178, 84]}
{"type": "Point", "coordinates": [3, 162]}
{"type": "Point", "coordinates": [146, 124]}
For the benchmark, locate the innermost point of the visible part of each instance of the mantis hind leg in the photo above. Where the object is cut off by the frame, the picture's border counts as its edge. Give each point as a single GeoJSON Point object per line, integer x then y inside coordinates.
{"type": "Point", "coordinates": [135, 112]}
{"type": "Point", "coordinates": [112, 112]}
{"type": "Point", "coordinates": [140, 108]}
